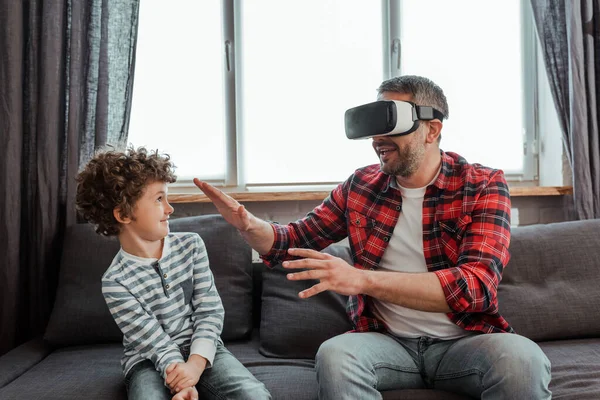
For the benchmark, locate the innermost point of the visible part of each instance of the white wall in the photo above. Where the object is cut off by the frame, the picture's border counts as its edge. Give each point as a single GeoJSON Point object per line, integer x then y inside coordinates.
{"type": "Point", "coordinates": [525, 210]}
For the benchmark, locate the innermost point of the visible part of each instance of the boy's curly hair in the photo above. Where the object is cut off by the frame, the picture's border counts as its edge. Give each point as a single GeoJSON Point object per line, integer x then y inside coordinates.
{"type": "Point", "coordinates": [114, 179]}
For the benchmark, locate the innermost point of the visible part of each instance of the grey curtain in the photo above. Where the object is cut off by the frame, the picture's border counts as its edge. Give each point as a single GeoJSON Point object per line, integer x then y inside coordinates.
{"type": "Point", "coordinates": [66, 75]}
{"type": "Point", "coordinates": [569, 33]}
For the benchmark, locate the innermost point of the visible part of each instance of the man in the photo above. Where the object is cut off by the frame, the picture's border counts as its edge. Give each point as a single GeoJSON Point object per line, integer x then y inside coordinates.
{"type": "Point", "coordinates": [429, 235]}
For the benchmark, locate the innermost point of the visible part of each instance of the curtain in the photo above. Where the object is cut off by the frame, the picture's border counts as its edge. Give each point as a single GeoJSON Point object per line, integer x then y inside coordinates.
{"type": "Point", "coordinates": [66, 76]}
{"type": "Point", "coordinates": [569, 33]}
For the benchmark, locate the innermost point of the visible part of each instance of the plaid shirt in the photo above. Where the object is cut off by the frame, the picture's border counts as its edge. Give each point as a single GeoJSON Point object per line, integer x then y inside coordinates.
{"type": "Point", "coordinates": [466, 233]}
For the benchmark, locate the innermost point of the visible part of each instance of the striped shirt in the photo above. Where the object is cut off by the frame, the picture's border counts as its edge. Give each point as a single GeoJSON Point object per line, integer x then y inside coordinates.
{"type": "Point", "coordinates": [166, 308]}
{"type": "Point", "coordinates": [466, 234]}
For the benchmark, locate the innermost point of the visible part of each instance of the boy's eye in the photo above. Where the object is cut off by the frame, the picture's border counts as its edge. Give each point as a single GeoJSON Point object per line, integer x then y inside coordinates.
{"type": "Point", "coordinates": [159, 199]}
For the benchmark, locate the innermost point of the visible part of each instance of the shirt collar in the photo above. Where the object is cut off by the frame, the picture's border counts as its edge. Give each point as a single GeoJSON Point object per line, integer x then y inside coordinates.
{"type": "Point", "coordinates": [144, 260]}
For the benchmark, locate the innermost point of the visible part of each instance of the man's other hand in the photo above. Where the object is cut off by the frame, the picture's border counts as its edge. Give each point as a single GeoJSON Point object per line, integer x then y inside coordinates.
{"type": "Point", "coordinates": [333, 273]}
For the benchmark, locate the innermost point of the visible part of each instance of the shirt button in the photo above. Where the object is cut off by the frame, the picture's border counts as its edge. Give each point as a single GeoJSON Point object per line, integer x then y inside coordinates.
{"type": "Point", "coordinates": [357, 222]}
{"type": "Point", "coordinates": [385, 239]}
{"type": "Point", "coordinates": [398, 208]}
{"type": "Point", "coordinates": [167, 287]}
{"type": "Point", "coordinates": [165, 275]}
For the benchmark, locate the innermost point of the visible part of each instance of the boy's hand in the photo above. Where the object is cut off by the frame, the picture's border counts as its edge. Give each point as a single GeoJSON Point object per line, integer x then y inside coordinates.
{"type": "Point", "coordinates": [189, 393]}
{"type": "Point", "coordinates": [183, 375]}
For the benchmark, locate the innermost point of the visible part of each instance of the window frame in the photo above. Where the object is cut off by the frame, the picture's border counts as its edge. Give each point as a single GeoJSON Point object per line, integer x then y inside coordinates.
{"type": "Point", "coordinates": [234, 181]}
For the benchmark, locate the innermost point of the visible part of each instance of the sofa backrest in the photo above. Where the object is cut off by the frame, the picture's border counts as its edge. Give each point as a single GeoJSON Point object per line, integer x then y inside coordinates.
{"type": "Point", "coordinates": [550, 287]}
{"type": "Point", "coordinates": [80, 315]}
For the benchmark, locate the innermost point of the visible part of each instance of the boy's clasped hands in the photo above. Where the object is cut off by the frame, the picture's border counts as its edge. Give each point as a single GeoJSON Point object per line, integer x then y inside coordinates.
{"type": "Point", "coordinates": [183, 377]}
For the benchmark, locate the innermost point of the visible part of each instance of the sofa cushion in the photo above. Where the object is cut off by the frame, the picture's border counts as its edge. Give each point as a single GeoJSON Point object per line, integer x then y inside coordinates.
{"type": "Point", "coordinates": [230, 260]}
{"type": "Point", "coordinates": [549, 288]}
{"type": "Point", "coordinates": [575, 368]}
{"type": "Point", "coordinates": [80, 315]}
{"type": "Point", "coordinates": [285, 317]}
{"type": "Point", "coordinates": [90, 372]}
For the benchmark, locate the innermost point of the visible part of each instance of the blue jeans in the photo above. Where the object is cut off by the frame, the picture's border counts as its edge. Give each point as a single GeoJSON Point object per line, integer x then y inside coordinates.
{"type": "Point", "coordinates": [486, 366]}
{"type": "Point", "coordinates": [227, 379]}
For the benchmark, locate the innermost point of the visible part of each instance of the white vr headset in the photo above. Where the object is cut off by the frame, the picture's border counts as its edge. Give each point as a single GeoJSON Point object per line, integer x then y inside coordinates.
{"type": "Point", "coordinates": [387, 118]}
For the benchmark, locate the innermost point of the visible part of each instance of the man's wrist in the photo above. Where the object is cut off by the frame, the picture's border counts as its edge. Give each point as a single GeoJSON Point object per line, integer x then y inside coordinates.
{"type": "Point", "coordinates": [366, 282]}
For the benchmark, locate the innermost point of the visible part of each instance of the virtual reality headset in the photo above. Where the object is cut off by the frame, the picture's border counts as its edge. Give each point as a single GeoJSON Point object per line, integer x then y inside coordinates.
{"type": "Point", "coordinates": [387, 118]}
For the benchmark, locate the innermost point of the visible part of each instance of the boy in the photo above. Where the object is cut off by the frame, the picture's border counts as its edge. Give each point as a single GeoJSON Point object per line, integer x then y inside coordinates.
{"type": "Point", "coordinates": [159, 287]}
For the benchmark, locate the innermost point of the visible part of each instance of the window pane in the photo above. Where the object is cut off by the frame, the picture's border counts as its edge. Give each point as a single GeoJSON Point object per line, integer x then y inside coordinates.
{"type": "Point", "coordinates": [300, 72]}
{"type": "Point", "coordinates": [472, 49]}
{"type": "Point", "coordinates": [178, 88]}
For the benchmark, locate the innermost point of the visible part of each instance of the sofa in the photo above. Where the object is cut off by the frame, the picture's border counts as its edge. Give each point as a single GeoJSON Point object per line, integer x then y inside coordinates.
{"type": "Point", "coordinates": [549, 293]}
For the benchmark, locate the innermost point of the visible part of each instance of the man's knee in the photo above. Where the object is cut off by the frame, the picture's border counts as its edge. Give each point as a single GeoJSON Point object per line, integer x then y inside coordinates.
{"type": "Point", "coordinates": [524, 367]}
{"type": "Point", "coordinates": [330, 353]}
{"type": "Point", "coordinates": [521, 353]}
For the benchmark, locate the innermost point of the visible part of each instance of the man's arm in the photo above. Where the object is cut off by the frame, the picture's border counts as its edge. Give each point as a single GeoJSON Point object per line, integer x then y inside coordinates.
{"type": "Point", "coordinates": [141, 329]}
{"type": "Point", "coordinates": [322, 226]}
{"type": "Point", "coordinates": [419, 291]}
{"type": "Point", "coordinates": [470, 286]}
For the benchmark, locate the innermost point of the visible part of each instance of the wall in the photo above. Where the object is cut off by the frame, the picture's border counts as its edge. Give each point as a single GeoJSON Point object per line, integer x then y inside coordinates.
{"type": "Point", "coordinates": [525, 210]}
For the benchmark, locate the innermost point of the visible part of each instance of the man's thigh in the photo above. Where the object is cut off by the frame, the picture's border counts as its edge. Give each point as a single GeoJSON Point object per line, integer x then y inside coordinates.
{"type": "Point", "coordinates": [376, 358]}
{"type": "Point", "coordinates": [475, 363]}
{"type": "Point", "coordinates": [229, 379]}
{"type": "Point", "coordinates": [145, 383]}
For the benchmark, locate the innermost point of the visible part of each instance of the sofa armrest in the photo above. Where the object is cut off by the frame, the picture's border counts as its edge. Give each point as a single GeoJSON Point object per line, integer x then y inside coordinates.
{"type": "Point", "coordinates": [19, 360]}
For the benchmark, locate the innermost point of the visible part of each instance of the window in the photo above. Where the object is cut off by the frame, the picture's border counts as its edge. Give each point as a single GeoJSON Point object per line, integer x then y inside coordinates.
{"type": "Point", "coordinates": [251, 94]}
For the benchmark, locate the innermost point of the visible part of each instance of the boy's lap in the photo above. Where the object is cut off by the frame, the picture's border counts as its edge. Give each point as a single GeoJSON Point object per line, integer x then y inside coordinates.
{"type": "Point", "coordinates": [229, 379]}
{"type": "Point", "coordinates": [226, 379]}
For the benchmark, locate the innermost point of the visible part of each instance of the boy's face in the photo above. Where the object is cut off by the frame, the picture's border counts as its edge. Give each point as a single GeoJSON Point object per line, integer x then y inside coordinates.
{"type": "Point", "coordinates": [151, 213]}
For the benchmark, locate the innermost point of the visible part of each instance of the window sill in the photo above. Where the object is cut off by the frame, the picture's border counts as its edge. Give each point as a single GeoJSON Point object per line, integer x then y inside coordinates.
{"type": "Point", "coordinates": [244, 197]}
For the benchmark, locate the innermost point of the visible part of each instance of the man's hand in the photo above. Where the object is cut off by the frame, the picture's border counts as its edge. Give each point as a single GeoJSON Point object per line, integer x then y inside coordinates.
{"type": "Point", "coordinates": [333, 273]}
{"type": "Point", "coordinates": [230, 209]}
{"type": "Point", "coordinates": [258, 233]}
{"type": "Point", "coordinates": [189, 393]}
{"type": "Point", "coordinates": [183, 375]}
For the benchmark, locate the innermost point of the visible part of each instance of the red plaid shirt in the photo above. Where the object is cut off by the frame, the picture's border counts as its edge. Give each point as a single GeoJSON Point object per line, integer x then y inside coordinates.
{"type": "Point", "coordinates": [466, 233]}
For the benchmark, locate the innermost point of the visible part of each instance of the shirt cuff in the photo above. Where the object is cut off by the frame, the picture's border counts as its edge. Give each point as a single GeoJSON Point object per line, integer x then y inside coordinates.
{"type": "Point", "coordinates": [455, 297]}
{"type": "Point", "coordinates": [280, 245]}
{"type": "Point", "coordinates": [205, 348]}
{"type": "Point", "coordinates": [169, 357]}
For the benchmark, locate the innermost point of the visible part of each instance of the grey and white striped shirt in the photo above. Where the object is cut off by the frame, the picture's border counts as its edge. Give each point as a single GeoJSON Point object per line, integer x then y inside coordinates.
{"type": "Point", "coordinates": [166, 308]}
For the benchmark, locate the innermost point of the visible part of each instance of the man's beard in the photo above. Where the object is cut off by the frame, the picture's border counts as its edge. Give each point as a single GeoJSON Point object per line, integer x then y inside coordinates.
{"type": "Point", "coordinates": [409, 159]}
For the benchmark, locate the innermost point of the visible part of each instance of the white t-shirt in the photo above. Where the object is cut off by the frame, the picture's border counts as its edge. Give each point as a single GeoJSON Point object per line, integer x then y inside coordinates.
{"type": "Point", "coordinates": [404, 253]}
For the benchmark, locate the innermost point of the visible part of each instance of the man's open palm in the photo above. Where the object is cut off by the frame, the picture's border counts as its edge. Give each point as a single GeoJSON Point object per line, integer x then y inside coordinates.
{"type": "Point", "coordinates": [229, 208]}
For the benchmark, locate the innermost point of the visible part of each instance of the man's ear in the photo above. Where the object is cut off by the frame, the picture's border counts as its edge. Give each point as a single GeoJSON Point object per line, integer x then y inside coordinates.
{"type": "Point", "coordinates": [119, 217]}
{"type": "Point", "coordinates": [435, 129]}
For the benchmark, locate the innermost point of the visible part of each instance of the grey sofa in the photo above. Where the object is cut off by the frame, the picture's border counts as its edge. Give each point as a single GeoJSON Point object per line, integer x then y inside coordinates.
{"type": "Point", "coordinates": [549, 294]}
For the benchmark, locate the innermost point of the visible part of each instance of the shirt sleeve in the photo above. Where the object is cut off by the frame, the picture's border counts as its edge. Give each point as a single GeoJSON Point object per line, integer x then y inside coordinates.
{"type": "Point", "coordinates": [208, 313]}
{"type": "Point", "coordinates": [322, 226]}
{"type": "Point", "coordinates": [472, 285]}
{"type": "Point", "coordinates": [141, 329]}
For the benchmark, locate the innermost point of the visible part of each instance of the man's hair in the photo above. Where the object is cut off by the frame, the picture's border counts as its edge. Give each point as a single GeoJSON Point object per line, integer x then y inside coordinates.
{"type": "Point", "coordinates": [423, 91]}
{"type": "Point", "coordinates": [115, 179]}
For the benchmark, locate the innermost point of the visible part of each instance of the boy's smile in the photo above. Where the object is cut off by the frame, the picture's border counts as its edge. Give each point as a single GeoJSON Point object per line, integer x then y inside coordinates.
{"type": "Point", "coordinates": [142, 234]}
